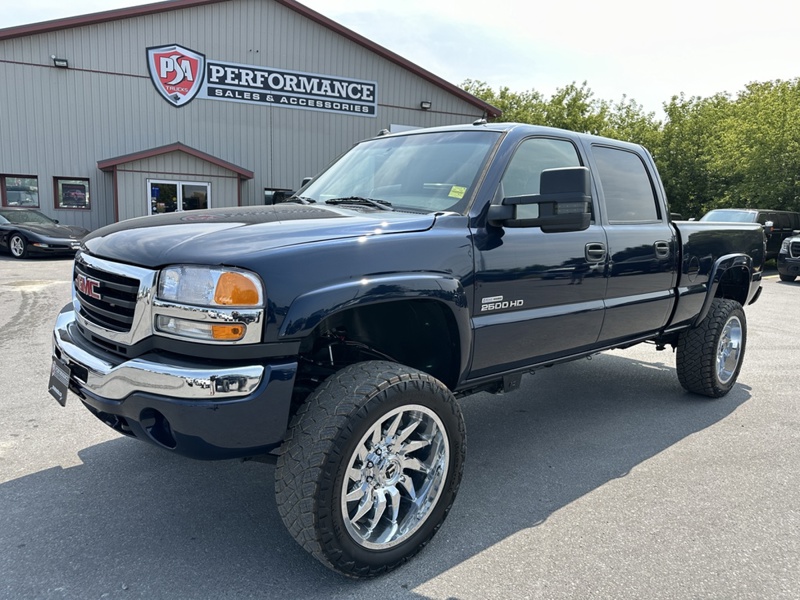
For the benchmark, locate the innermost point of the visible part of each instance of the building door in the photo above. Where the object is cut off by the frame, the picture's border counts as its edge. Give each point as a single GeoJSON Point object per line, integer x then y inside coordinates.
{"type": "Point", "coordinates": [171, 196]}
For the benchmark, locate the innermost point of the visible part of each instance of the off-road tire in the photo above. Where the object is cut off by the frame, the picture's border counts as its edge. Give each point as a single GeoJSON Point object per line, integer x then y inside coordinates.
{"type": "Point", "coordinates": [709, 356]}
{"type": "Point", "coordinates": [334, 427]}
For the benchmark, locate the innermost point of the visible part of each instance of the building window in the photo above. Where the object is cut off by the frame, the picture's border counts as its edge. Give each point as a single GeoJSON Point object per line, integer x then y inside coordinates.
{"type": "Point", "coordinates": [172, 196]}
{"type": "Point", "coordinates": [276, 195]}
{"type": "Point", "coordinates": [19, 190]}
{"type": "Point", "coordinates": [71, 193]}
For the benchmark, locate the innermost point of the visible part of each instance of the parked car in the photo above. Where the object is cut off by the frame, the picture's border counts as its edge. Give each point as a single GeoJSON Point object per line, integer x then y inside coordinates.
{"type": "Point", "coordinates": [789, 258]}
{"type": "Point", "coordinates": [778, 224]}
{"type": "Point", "coordinates": [25, 231]}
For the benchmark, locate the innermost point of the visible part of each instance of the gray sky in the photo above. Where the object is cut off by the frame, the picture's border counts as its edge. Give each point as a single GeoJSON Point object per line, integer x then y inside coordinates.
{"type": "Point", "coordinates": [645, 51]}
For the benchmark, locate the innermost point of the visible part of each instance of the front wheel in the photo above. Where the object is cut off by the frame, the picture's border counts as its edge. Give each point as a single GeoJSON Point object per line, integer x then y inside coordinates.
{"type": "Point", "coordinates": [18, 246]}
{"type": "Point", "coordinates": [371, 467]}
{"type": "Point", "coordinates": [710, 356]}
{"type": "Point", "coordinates": [788, 278]}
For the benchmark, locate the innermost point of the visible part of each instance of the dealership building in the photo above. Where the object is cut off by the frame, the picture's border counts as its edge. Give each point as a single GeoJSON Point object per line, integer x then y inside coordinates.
{"type": "Point", "coordinates": [190, 104]}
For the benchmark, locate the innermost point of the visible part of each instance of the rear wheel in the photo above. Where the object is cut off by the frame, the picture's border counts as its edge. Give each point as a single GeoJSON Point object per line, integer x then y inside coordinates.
{"type": "Point", "coordinates": [710, 356]}
{"type": "Point", "coordinates": [18, 246]}
{"type": "Point", "coordinates": [788, 277]}
{"type": "Point", "coordinates": [371, 467]}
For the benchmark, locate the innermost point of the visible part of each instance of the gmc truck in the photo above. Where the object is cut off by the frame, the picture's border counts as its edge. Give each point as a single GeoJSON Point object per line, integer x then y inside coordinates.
{"type": "Point", "coordinates": [336, 332]}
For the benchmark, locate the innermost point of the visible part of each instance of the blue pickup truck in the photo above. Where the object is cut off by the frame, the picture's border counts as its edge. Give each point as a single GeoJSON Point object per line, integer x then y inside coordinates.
{"type": "Point", "coordinates": [337, 332]}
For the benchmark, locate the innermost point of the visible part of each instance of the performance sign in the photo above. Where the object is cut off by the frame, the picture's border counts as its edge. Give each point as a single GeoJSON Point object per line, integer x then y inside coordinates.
{"type": "Point", "coordinates": [174, 73]}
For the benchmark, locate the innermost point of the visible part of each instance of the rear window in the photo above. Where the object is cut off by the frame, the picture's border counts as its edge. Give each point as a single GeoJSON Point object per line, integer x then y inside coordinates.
{"type": "Point", "coordinates": [730, 216]}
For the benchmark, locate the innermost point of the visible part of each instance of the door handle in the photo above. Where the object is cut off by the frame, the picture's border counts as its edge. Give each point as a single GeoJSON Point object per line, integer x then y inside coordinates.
{"type": "Point", "coordinates": [595, 252]}
{"type": "Point", "coordinates": [662, 249]}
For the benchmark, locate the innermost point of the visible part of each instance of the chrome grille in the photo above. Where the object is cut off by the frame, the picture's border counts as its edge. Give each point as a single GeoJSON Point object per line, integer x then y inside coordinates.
{"type": "Point", "coordinates": [115, 307]}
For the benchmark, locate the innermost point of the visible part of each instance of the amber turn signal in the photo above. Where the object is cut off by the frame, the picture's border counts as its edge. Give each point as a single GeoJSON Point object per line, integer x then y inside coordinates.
{"type": "Point", "coordinates": [235, 289]}
{"type": "Point", "coordinates": [229, 333]}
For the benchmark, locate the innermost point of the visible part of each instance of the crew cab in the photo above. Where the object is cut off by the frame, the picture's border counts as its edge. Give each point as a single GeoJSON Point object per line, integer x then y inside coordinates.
{"type": "Point", "coordinates": [340, 330]}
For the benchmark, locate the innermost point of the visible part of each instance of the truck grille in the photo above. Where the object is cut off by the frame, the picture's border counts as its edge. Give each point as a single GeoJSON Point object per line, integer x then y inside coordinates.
{"type": "Point", "coordinates": [794, 249]}
{"type": "Point", "coordinates": [106, 299]}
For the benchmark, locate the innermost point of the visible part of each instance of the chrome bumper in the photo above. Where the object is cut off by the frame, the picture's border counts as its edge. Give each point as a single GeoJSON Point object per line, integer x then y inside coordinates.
{"type": "Point", "coordinates": [110, 377]}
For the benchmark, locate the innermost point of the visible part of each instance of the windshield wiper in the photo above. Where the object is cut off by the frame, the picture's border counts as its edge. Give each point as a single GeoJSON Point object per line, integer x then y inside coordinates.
{"type": "Point", "coordinates": [381, 204]}
{"type": "Point", "coordinates": [301, 200]}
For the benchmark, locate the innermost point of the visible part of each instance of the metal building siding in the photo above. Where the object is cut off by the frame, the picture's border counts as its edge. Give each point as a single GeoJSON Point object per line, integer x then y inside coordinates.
{"type": "Point", "coordinates": [132, 181]}
{"type": "Point", "coordinates": [60, 122]}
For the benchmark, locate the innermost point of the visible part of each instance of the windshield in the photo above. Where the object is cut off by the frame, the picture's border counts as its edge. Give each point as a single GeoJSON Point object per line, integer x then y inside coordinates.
{"type": "Point", "coordinates": [425, 172]}
{"type": "Point", "coordinates": [25, 216]}
{"type": "Point", "coordinates": [730, 216]}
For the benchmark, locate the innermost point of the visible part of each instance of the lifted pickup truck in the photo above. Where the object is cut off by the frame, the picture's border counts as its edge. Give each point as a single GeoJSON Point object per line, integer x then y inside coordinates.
{"type": "Point", "coordinates": [337, 330]}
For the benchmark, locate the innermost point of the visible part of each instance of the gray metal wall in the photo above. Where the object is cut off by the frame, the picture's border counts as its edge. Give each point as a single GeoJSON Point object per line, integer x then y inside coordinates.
{"type": "Point", "coordinates": [132, 181]}
{"type": "Point", "coordinates": [60, 122]}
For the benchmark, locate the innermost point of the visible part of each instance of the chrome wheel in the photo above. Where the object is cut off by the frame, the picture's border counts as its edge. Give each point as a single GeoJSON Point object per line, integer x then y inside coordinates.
{"type": "Point", "coordinates": [17, 246]}
{"type": "Point", "coordinates": [710, 355]}
{"type": "Point", "coordinates": [395, 477]}
{"type": "Point", "coordinates": [729, 350]}
{"type": "Point", "coordinates": [371, 466]}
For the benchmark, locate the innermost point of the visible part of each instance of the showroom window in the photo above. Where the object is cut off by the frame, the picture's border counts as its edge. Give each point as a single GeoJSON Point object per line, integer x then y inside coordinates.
{"type": "Point", "coordinates": [19, 190]}
{"type": "Point", "coordinates": [172, 196]}
{"type": "Point", "coordinates": [71, 193]}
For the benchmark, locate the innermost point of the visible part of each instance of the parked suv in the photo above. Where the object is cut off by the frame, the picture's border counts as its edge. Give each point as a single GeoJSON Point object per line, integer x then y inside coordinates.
{"type": "Point", "coordinates": [789, 258]}
{"type": "Point", "coordinates": [778, 224]}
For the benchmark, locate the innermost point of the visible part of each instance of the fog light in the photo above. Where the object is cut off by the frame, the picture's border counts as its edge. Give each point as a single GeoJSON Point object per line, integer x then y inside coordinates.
{"type": "Point", "coordinates": [200, 330]}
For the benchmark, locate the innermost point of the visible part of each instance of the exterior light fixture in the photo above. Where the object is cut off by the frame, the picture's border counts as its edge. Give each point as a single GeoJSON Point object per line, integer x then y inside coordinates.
{"type": "Point", "coordinates": [425, 105]}
{"type": "Point", "coordinates": [61, 63]}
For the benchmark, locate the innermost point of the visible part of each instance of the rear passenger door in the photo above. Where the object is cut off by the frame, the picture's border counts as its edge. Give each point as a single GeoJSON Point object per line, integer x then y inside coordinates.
{"type": "Point", "coordinates": [642, 265]}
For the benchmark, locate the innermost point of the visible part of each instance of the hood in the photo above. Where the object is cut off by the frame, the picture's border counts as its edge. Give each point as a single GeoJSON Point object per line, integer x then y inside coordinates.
{"type": "Point", "coordinates": [54, 230]}
{"type": "Point", "coordinates": [223, 235]}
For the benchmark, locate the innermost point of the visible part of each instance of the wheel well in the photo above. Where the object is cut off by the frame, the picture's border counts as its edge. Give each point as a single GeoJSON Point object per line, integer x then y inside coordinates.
{"type": "Point", "coordinates": [421, 334]}
{"type": "Point", "coordinates": [734, 285]}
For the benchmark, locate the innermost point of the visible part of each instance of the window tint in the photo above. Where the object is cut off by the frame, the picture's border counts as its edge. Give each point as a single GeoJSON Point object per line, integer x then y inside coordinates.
{"type": "Point", "coordinates": [763, 217]}
{"type": "Point", "coordinates": [626, 186]}
{"type": "Point", "coordinates": [525, 169]}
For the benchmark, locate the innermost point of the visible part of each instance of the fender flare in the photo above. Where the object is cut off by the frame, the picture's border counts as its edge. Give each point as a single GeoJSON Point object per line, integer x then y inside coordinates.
{"type": "Point", "coordinates": [718, 270]}
{"type": "Point", "coordinates": [311, 308]}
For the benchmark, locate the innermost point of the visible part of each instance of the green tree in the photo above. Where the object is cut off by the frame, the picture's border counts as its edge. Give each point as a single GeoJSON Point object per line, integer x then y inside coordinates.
{"type": "Point", "coordinates": [759, 148]}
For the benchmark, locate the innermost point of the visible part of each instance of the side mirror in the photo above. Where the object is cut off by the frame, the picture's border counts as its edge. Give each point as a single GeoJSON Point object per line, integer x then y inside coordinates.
{"type": "Point", "coordinates": [305, 181]}
{"type": "Point", "coordinates": [564, 202]}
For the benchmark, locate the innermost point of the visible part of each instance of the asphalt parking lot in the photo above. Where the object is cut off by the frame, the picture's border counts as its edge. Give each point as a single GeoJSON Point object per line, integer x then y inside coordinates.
{"type": "Point", "coordinates": [597, 479]}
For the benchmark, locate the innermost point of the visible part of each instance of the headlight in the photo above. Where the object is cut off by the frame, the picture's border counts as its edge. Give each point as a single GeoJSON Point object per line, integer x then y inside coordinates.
{"type": "Point", "coordinates": [213, 304]}
{"type": "Point", "coordinates": [209, 286]}
{"type": "Point", "coordinates": [785, 246]}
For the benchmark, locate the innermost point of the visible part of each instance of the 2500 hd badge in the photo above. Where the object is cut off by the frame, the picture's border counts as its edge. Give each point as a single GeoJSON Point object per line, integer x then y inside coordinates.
{"type": "Point", "coordinates": [497, 303]}
{"type": "Point", "coordinates": [338, 332]}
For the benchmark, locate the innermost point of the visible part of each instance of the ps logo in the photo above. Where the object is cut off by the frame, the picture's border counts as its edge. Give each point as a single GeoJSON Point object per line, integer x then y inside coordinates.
{"type": "Point", "coordinates": [177, 73]}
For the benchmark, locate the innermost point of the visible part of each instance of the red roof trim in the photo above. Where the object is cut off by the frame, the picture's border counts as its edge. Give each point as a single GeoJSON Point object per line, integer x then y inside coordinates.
{"type": "Point", "coordinates": [110, 164]}
{"type": "Point", "coordinates": [159, 7]}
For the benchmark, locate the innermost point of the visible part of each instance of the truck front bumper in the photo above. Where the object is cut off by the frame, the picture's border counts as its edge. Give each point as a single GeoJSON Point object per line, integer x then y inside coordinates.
{"type": "Point", "coordinates": [199, 409]}
{"type": "Point", "coordinates": [788, 265]}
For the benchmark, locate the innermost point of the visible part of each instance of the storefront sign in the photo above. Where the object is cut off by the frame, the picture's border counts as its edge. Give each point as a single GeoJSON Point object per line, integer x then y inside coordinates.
{"type": "Point", "coordinates": [180, 74]}
{"type": "Point", "coordinates": [176, 72]}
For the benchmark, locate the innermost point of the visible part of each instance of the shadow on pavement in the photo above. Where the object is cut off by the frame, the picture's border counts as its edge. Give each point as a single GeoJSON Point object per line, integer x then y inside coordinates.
{"type": "Point", "coordinates": [134, 521]}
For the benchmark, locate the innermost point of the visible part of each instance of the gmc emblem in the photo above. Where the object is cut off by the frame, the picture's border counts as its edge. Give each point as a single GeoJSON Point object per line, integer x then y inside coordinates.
{"type": "Point", "coordinates": [87, 286]}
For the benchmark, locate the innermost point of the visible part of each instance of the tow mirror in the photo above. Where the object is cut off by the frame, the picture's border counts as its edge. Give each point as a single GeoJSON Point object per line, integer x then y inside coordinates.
{"type": "Point", "coordinates": [564, 202]}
